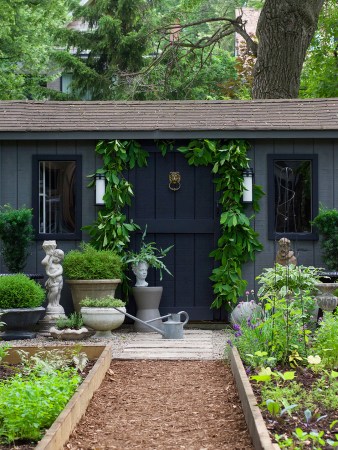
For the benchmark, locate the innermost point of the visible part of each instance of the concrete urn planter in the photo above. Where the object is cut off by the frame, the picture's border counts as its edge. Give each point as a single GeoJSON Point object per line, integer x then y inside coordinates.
{"type": "Point", "coordinates": [325, 298]}
{"type": "Point", "coordinates": [102, 320]}
{"type": "Point", "coordinates": [81, 289]}
{"type": "Point", "coordinates": [147, 301]}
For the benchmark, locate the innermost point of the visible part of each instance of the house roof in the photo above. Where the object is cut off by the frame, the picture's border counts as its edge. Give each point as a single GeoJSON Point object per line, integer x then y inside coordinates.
{"type": "Point", "coordinates": [168, 116]}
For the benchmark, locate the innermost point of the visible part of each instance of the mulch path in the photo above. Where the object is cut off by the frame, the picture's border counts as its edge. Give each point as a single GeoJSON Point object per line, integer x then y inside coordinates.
{"type": "Point", "coordinates": [164, 405]}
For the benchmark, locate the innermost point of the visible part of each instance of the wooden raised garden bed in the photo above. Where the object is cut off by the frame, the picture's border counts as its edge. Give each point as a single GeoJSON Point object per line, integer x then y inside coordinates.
{"type": "Point", "coordinates": [58, 434]}
{"type": "Point", "coordinates": [254, 419]}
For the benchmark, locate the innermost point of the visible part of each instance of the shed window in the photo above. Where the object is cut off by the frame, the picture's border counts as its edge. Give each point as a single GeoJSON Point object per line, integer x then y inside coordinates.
{"type": "Point", "coordinates": [57, 197]}
{"type": "Point", "coordinates": [293, 196]}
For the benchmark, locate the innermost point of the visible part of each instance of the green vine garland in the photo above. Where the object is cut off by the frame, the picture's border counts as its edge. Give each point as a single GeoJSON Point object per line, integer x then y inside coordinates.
{"type": "Point", "coordinates": [111, 229]}
{"type": "Point", "coordinates": [238, 242]}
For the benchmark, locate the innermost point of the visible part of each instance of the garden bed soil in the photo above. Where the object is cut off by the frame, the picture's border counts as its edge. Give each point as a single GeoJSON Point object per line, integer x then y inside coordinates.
{"type": "Point", "coordinates": [263, 426]}
{"type": "Point", "coordinates": [164, 405]}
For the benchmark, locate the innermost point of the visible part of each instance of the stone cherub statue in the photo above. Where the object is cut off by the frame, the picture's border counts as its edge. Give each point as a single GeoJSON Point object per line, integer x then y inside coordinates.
{"type": "Point", "coordinates": [285, 256]}
{"type": "Point", "coordinates": [53, 266]}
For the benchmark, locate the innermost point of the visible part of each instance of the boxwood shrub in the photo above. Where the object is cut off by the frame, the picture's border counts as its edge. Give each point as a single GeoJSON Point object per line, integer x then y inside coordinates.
{"type": "Point", "coordinates": [19, 291]}
{"type": "Point", "coordinates": [87, 263]}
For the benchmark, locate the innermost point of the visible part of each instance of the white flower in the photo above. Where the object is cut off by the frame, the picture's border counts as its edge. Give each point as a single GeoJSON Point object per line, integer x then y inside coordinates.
{"type": "Point", "coordinates": [314, 359]}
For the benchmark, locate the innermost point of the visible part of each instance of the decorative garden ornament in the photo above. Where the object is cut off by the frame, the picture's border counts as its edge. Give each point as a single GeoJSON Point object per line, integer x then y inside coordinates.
{"type": "Point", "coordinates": [326, 299]}
{"type": "Point", "coordinates": [54, 284]}
{"type": "Point", "coordinates": [246, 311]}
{"type": "Point", "coordinates": [141, 272]}
{"type": "Point", "coordinates": [285, 256]}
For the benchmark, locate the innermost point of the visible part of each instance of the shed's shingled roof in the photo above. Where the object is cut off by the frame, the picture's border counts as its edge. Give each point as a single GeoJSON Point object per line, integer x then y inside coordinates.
{"type": "Point", "coordinates": [295, 114]}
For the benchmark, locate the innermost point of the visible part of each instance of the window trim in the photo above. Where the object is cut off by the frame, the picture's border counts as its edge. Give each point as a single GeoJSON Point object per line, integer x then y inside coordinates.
{"type": "Point", "coordinates": [301, 236]}
{"type": "Point", "coordinates": [77, 235]}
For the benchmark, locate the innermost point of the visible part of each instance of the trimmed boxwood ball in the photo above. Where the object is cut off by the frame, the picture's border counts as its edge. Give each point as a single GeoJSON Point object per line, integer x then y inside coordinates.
{"type": "Point", "coordinates": [19, 291]}
{"type": "Point", "coordinates": [87, 263]}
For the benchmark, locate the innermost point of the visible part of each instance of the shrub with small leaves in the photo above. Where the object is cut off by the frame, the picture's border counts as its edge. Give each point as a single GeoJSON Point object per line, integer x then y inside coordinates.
{"type": "Point", "coordinates": [16, 234]}
{"type": "Point", "coordinates": [87, 263]}
{"type": "Point", "coordinates": [19, 291]}
{"type": "Point", "coordinates": [105, 302]}
{"type": "Point", "coordinates": [74, 321]}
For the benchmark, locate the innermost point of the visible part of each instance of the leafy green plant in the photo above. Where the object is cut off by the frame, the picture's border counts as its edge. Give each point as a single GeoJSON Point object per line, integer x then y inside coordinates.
{"type": "Point", "coordinates": [104, 302]}
{"type": "Point", "coordinates": [88, 263]}
{"type": "Point", "coordinates": [238, 242]}
{"type": "Point", "coordinates": [31, 400]}
{"type": "Point", "coordinates": [4, 348]}
{"type": "Point", "coordinates": [74, 321]}
{"type": "Point", "coordinates": [326, 223]}
{"type": "Point", "coordinates": [16, 234]}
{"type": "Point", "coordinates": [19, 291]}
{"type": "Point", "coordinates": [149, 254]}
{"type": "Point", "coordinates": [325, 342]}
{"type": "Point", "coordinates": [287, 280]}
{"type": "Point", "coordinates": [275, 408]}
{"type": "Point", "coordinates": [111, 230]}
{"type": "Point", "coordinates": [30, 405]}
{"type": "Point", "coordinates": [48, 361]}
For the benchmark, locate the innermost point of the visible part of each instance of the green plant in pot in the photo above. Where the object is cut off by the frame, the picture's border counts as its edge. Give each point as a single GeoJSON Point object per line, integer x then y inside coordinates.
{"type": "Point", "coordinates": [100, 314]}
{"type": "Point", "coordinates": [147, 298]}
{"type": "Point", "coordinates": [69, 328]}
{"type": "Point", "coordinates": [92, 273]}
{"type": "Point", "coordinates": [147, 256]}
{"type": "Point", "coordinates": [16, 234]}
{"type": "Point", "coordinates": [20, 306]}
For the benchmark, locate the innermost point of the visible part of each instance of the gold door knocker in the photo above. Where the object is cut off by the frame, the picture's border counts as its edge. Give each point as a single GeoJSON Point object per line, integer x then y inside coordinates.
{"type": "Point", "coordinates": [174, 181]}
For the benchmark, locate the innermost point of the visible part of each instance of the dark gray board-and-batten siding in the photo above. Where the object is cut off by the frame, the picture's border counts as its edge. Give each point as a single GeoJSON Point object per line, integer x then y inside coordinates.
{"type": "Point", "coordinates": [73, 128]}
{"type": "Point", "coordinates": [16, 189]}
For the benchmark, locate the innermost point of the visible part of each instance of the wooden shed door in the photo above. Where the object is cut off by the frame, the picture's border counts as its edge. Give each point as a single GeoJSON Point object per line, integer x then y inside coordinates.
{"type": "Point", "coordinates": [185, 218]}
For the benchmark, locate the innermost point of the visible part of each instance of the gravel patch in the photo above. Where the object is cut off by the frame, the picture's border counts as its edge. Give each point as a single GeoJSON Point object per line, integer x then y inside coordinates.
{"type": "Point", "coordinates": [120, 339]}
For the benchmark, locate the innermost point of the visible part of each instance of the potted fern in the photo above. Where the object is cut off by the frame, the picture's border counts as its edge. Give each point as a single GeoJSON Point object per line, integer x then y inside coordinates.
{"type": "Point", "coordinates": [147, 298]}
{"type": "Point", "coordinates": [92, 273]}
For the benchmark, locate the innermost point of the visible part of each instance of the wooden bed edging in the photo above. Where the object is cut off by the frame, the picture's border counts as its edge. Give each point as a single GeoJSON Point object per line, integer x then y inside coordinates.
{"type": "Point", "coordinates": [254, 419]}
{"type": "Point", "coordinates": [58, 434]}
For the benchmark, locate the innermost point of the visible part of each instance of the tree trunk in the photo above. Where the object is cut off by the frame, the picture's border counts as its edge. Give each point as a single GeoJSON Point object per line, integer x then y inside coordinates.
{"type": "Point", "coordinates": [285, 29]}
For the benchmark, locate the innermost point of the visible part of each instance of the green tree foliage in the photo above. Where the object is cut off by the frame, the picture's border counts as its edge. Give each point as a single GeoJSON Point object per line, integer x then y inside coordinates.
{"type": "Point", "coordinates": [320, 72]}
{"type": "Point", "coordinates": [111, 44]}
{"type": "Point", "coordinates": [26, 43]}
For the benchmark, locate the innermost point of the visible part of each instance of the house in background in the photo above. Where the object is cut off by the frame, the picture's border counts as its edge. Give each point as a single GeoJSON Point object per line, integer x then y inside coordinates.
{"type": "Point", "coordinates": [47, 149]}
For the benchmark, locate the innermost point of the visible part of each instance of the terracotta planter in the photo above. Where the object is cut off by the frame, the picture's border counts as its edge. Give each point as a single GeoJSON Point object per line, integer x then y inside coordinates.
{"type": "Point", "coordinates": [102, 320]}
{"type": "Point", "coordinates": [147, 300]}
{"type": "Point", "coordinates": [81, 289]}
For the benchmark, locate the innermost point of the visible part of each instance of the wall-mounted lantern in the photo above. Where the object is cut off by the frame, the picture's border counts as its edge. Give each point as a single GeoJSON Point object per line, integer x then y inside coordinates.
{"type": "Point", "coordinates": [248, 185]}
{"type": "Point", "coordinates": [100, 188]}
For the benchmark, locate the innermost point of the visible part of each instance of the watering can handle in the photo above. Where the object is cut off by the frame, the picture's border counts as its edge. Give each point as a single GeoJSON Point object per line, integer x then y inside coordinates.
{"type": "Point", "coordinates": [186, 315]}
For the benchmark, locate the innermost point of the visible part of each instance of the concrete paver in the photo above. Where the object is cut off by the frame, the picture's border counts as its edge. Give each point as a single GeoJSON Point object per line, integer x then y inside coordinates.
{"type": "Point", "coordinates": [196, 344]}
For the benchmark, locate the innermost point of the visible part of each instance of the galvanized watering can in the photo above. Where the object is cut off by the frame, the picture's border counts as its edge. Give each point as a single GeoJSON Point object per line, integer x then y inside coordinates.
{"type": "Point", "coordinates": [171, 328]}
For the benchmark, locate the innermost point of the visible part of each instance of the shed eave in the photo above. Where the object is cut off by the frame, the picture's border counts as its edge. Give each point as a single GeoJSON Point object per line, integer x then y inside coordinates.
{"type": "Point", "coordinates": [167, 134]}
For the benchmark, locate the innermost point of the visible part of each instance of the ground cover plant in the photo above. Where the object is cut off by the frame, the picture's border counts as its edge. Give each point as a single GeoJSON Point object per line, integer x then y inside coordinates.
{"type": "Point", "coordinates": [34, 392]}
{"type": "Point", "coordinates": [292, 363]}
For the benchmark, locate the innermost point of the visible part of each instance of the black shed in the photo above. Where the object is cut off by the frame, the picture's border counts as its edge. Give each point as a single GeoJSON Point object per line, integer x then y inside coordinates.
{"type": "Point", "coordinates": [301, 134]}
